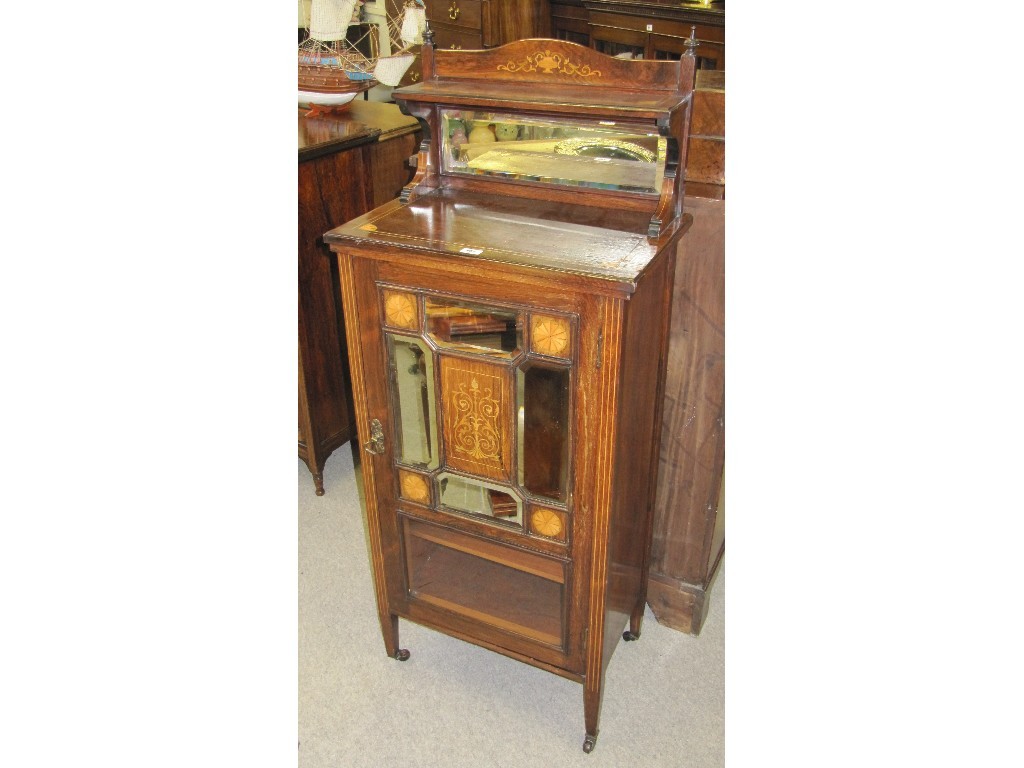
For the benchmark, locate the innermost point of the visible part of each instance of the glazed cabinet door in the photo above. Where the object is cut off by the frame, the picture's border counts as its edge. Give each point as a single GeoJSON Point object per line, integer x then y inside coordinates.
{"type": "Point", "coordinates": [472, 402]}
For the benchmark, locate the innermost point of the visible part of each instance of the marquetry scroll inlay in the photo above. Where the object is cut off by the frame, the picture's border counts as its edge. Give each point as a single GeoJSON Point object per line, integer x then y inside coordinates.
{"type": "Point", "coordinates": [475, 429]}
{"type": "Point", "coordinates": [551, 335]}
{"type": "Point", "coordinates": [547, 522]}
{"type": "Point", "coordinates": [414, 487]}
{"type": "Point", "coordinates": [549, 63]}
{"type": "Point", "coordinates": [400, 309]}
{"type": "Point", "coordinates": [477, 417]}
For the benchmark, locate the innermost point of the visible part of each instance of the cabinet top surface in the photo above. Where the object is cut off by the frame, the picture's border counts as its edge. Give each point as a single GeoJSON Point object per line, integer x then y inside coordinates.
{"type": "Point", "coordinates": [605, 243]}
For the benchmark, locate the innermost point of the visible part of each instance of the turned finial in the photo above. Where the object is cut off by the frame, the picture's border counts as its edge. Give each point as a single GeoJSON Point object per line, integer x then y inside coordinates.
{"type": "Point", "coordinates": [691, 42]}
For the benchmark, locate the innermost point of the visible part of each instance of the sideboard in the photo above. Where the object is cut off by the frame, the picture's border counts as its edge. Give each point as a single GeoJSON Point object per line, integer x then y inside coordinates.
{"type": "Point", "coordinates": [649, 29]}
{"type": "Point", "coordinates": [348, 163]}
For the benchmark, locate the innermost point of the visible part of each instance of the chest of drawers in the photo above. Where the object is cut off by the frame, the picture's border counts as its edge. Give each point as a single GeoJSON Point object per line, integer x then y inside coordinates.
{"type": "Point", "coordinates": [472, 24]}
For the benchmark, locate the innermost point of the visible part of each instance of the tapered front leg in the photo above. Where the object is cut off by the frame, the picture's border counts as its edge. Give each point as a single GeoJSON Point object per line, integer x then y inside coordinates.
{"type": "Point", "coordinates": [592, 690]}
{"type": "Point", "coordinates": [389, 628]}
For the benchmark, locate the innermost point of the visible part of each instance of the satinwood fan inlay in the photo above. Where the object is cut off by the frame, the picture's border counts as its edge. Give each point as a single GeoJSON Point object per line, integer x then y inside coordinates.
{"type": "Point", "coordinates": [550, 335]}
{"type": "Point", "coordinates": [400, 309]}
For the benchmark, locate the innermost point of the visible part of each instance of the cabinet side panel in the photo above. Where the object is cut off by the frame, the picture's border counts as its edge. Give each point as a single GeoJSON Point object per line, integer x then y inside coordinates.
{"type": "Point", "coordinates": [636, 449]}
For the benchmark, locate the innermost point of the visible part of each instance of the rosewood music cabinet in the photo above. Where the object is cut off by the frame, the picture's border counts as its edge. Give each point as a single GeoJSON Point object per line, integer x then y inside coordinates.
{"type": "Point", "coordinates": [507, 323]}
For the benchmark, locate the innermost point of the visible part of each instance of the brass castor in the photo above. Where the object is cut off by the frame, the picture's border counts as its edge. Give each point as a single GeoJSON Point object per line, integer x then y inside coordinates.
{"type": "Point", "coordinates": [401, 654]}
{"type": "Point", "coordinates": [588, 743]}
{"type": "Point", "coordinates": [627, 636]}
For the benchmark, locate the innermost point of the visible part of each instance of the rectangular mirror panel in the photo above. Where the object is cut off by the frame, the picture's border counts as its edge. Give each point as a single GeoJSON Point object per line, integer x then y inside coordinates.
{"type": "Point", "coordinates": [412, 394]}
{"type": "Point", "coordinates": [596, 154]}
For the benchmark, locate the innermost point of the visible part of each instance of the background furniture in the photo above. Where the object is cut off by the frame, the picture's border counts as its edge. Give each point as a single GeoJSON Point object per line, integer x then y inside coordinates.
{"type": "Point", "coordinates": [469, 24]}
{"type": "Point", "coordinates": [508, 344]}
{"type": "Point", "coordinates": [689, 527]}
{"type": "Point", "coordinates": [348, 163]}
{"type": "Point", "coordinates": [650, 29]}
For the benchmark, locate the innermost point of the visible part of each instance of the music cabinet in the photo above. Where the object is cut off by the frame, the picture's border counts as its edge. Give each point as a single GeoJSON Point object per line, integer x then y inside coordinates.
{"type": "Point", "coordinates": [507, 321]}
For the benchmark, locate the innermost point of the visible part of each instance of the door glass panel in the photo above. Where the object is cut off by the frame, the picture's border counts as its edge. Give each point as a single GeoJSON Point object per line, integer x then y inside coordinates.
{"type": "Point", "coordinates": [474, 327]}
{"type": "Point", "coordinates": [514, 590]}
{"type": "Point", "coordinates": [479, 498]}
{"type": "Point", "coordinates": [543, 396]}
{"type": "Point", "coordinates": [412, 393]}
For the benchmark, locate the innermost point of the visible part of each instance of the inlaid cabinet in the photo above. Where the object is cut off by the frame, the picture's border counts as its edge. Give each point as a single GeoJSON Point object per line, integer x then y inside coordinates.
{"type": "Point", "coordinates": [507, 323]}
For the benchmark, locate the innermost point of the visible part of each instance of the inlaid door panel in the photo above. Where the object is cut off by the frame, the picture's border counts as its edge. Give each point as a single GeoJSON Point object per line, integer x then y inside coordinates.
{"type": "Point", "coordinates": [478, 409]}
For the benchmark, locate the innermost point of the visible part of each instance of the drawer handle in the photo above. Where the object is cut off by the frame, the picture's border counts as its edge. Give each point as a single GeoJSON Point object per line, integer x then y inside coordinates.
{"type": "Point", "coordinates": [375, 444]}
{"type": "Point", "coordinates": [453, 11]}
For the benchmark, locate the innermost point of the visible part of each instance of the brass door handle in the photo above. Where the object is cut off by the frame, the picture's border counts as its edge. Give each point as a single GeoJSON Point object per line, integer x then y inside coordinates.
{"type": "Point", "coordinates": [453, 11]}
{"type": "Point", "coordinates": [375, 444]}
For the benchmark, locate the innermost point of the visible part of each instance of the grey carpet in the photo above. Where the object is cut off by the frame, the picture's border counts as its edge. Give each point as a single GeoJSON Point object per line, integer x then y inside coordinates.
{"type": "Point", "coordinates": [454, 704]}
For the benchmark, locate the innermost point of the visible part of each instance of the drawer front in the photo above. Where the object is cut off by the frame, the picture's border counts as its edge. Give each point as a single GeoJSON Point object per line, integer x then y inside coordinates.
{"type": "Point", "coordinates": [657, 26]}
{"type": "Point", "coordinates": [457, 39]}
{"type": "Point", "coordinates": [458, 13]}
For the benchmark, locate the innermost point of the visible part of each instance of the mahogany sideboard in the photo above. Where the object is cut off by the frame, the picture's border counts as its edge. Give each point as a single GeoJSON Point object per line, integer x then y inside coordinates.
{"type": "Point", "coordinates": [348, 163]}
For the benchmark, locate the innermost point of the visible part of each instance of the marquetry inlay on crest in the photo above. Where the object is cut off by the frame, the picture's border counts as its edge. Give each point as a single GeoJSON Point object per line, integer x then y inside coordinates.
{"type": "Point", "coordinates": [414, 487]}
{"type": "Point", "coordinates": [549, 63]}
{"type": "Point", "coordinates": [400, 309]}
{"type": "Point", "coordinates": [546, 522]}
{"type": "Point", "coordinates": [551, 335]}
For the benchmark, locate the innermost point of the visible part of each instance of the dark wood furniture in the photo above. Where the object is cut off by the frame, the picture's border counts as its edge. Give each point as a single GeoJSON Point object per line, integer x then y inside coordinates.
{"type": "Point", "coordinates": [650, 29]}
{"type": "Point", "coordinates": [348, 163]}
{"type": "Point", "coordinates": [471, 24]}
{"type": "Point", "coordinates": [705, 161]}
{"type": "Point", "coordinates": [689, 526]}
{"type": "Point", "coordinates": [570, 21]}
{"type": "Point", "coordinates": [508, 328]}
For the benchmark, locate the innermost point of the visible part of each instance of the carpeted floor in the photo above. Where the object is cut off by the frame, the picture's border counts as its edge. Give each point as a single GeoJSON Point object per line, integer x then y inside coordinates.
{"type": "Point", "coordinates": [454, 704]}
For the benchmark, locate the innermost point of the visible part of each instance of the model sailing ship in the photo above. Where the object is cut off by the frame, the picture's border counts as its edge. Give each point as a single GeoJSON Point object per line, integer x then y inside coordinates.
{"type": "Point", "coordinates": [353, 46]}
